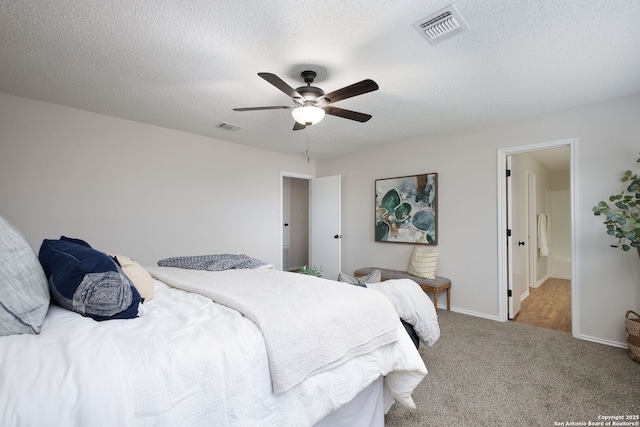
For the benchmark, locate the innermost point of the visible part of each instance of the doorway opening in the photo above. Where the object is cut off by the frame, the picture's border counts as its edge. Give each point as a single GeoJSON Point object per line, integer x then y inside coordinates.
{"type": "Point", "coordinates": [295, 222]}
{"type": "Point", "coordinates": [311, 223]}
{"type": "Point", "coordinates": [537, 264]}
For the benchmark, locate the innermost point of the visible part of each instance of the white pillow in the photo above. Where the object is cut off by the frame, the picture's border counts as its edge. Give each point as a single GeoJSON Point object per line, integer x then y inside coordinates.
{"type": "Point", "coordinates": [137, 274]}
{"type": "Point", "coordinates": [423, 262]}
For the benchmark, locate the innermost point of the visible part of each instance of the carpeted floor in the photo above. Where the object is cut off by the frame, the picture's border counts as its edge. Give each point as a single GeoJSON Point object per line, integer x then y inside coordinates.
{"type": "Point", "coordinates": [488, 373]}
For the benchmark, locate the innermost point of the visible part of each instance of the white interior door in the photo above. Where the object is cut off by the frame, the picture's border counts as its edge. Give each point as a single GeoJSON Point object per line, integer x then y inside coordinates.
{"type": "Point", "coordinates": [513, 296]}
{"type": "Point", "coordinates": [326, 225]}
{"type": "Point", "coordinates": [518, 224]}
{"type": "Point", "coordinates": [532, 228]}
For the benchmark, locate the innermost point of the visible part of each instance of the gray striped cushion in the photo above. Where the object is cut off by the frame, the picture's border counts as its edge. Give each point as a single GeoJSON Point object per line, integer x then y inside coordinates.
{"type": "Point", "coordinates": [423, 262]}
{"type": "Point", "coordinates": [24, 291]}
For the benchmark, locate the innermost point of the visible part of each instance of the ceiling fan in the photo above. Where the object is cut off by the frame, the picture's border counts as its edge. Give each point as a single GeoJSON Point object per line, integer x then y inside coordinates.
{"type": "Point", "coordinates": [311, 103]}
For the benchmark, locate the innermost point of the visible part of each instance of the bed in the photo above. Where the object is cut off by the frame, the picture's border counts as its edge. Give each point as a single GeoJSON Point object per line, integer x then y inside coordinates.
{"type": "Point", "coordinates": [188, 358]}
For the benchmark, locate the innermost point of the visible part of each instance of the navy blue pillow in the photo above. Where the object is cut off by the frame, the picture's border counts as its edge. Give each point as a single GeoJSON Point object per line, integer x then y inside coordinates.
{"type": "Point", "coordinates": [78, 241]}
{"type": "Point", "coordinates": [87, 281]}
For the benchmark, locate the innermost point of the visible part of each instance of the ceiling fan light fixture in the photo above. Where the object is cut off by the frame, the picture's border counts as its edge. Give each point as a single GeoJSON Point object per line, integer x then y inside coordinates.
{"type": "Point", "coordinates": [308, 115]}
{"type": "Point", "coordinates": [311, 103]}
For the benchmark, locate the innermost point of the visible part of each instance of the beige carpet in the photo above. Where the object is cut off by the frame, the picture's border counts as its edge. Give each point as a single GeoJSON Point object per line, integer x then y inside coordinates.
{"type": "Point", "coordinates": [488, 373]}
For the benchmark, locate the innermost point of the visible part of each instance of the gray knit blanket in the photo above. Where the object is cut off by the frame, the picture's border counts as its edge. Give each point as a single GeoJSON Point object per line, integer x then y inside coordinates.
{"type": "Point", "coordinates": [219, 262]}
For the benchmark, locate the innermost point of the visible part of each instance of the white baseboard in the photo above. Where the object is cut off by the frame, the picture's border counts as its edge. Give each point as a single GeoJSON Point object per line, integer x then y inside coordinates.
{"type": "Point", "coordinates": [541, 281]}
{"type": "Point", "coordinates": [605, 342]}
{"type": "Point", "coordinates": [470, 313]}
{"type": "Point", "coordinates": [582, 337]}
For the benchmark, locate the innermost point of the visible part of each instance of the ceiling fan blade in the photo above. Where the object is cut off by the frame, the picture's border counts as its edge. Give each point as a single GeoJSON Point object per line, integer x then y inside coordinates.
{"type": "Point", "coordinates": [284, 87]}
{"type": "Point", "coordinates": [275, 107]}
{"type": "Point", "coordinates": [347, 114]}
{"type": "Point", "coordinates": [355, 89]}
{"type": "Point", "coordinates": [299, 126]}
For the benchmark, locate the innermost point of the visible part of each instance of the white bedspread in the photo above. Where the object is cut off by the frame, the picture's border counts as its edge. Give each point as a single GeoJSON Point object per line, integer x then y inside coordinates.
{"type": "Point", "coordinates": [413, 306]}
{"type": "Point", "coordinates": [353, 320]}
{"type": "Point", "coordinates": [185, 361]}
{"type": "Point", "coordinates": [68, 375]}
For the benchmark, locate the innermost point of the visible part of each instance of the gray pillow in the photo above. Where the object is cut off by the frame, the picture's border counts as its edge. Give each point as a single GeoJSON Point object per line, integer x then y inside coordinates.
{"type": "Point", "coordinates": [373, 277]}
{"type": "Point", "coordinates": [24, 290]}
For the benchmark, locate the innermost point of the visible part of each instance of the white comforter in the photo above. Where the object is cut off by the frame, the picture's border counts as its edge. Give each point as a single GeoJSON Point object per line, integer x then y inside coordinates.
{"type": "Point", "coordinates": [297, 315]}
{"type": "Point", "coordinates": [184, 361]}
{"type": "Point", "coordinates": [413, 306]}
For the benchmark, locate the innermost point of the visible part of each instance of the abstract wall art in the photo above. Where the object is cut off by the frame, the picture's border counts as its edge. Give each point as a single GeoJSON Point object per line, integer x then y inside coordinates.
{"type": "Point", "coordinates": [406, 209]}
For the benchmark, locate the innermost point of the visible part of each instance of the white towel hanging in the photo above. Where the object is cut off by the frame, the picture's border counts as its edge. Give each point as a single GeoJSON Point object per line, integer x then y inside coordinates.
{"type": "Point", "coordinates": [542, 235]}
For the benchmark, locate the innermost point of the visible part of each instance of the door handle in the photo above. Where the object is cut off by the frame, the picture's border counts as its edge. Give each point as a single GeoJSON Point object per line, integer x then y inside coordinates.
{"type": "Point", "coordinates": [520, 243]}
{"type": "Point", "coordinates": [337, 236]}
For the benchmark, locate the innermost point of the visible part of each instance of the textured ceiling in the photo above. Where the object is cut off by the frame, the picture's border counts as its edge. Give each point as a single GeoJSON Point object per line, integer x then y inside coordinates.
{"type": "Point", "coordinates": [186, 64]}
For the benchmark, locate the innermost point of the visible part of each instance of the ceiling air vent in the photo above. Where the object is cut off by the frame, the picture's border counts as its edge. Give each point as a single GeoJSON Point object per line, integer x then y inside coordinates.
{"type": "Point", "coordinates": [441, 25]}
{"type": "Point", "coordinates": [229, 127]}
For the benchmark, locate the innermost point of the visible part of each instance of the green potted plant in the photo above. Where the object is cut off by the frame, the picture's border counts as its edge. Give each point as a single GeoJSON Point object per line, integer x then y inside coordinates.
{"type": "Point", "coordinates": [622, 219]}
{"type": "Point", "coordinates": [622, 216]}
{"type": "Point", "coordinates": [311, 271]}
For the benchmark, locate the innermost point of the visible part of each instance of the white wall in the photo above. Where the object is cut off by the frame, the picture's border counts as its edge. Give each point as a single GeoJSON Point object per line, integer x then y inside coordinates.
{"type": "Point", "coordinates": [137, 189]}
{"type": "Point", "coordinates": [560, 225]}
{"type": "Point", "coordinates": [150, 192]}
{"type": "Point", "coordinates": [466, 161]}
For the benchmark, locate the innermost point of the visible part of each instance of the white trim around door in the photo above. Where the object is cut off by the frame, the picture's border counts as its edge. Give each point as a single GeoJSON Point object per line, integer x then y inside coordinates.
{"type": "Point", "coordinates": [502, 226]}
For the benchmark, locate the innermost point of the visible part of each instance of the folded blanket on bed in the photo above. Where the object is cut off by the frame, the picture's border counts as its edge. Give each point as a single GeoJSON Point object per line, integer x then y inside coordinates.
{"type": "Point", "coordinates": [218, 262]}
{"type": "Point", "coordinates": [353, 320]}
{"type": "Point", "coordinates": [413, 306]}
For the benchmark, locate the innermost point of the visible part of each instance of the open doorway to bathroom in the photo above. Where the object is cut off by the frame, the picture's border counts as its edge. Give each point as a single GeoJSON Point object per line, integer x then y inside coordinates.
{"type": "Point", "coordinates": [548, 303]}
{"type": "Point", "coordinates": [538, 263]}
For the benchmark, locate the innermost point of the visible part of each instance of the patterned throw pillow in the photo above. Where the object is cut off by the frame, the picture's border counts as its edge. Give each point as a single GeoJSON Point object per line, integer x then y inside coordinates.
{"type": "Point", "coordinates": [24, 291]}
{"type": "Point", "coordinates": [373, 277]}
{"type": "Point", "coordinates": [423, 262]}
{"type": "Point", "coordinates": [87, 281]}
{"type": "Point", "coordinates": [137, 274]}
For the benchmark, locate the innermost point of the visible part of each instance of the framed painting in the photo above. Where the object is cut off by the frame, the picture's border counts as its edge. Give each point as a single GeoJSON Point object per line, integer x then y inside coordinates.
{"type": "Point", "coordinates": [406, 209]}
